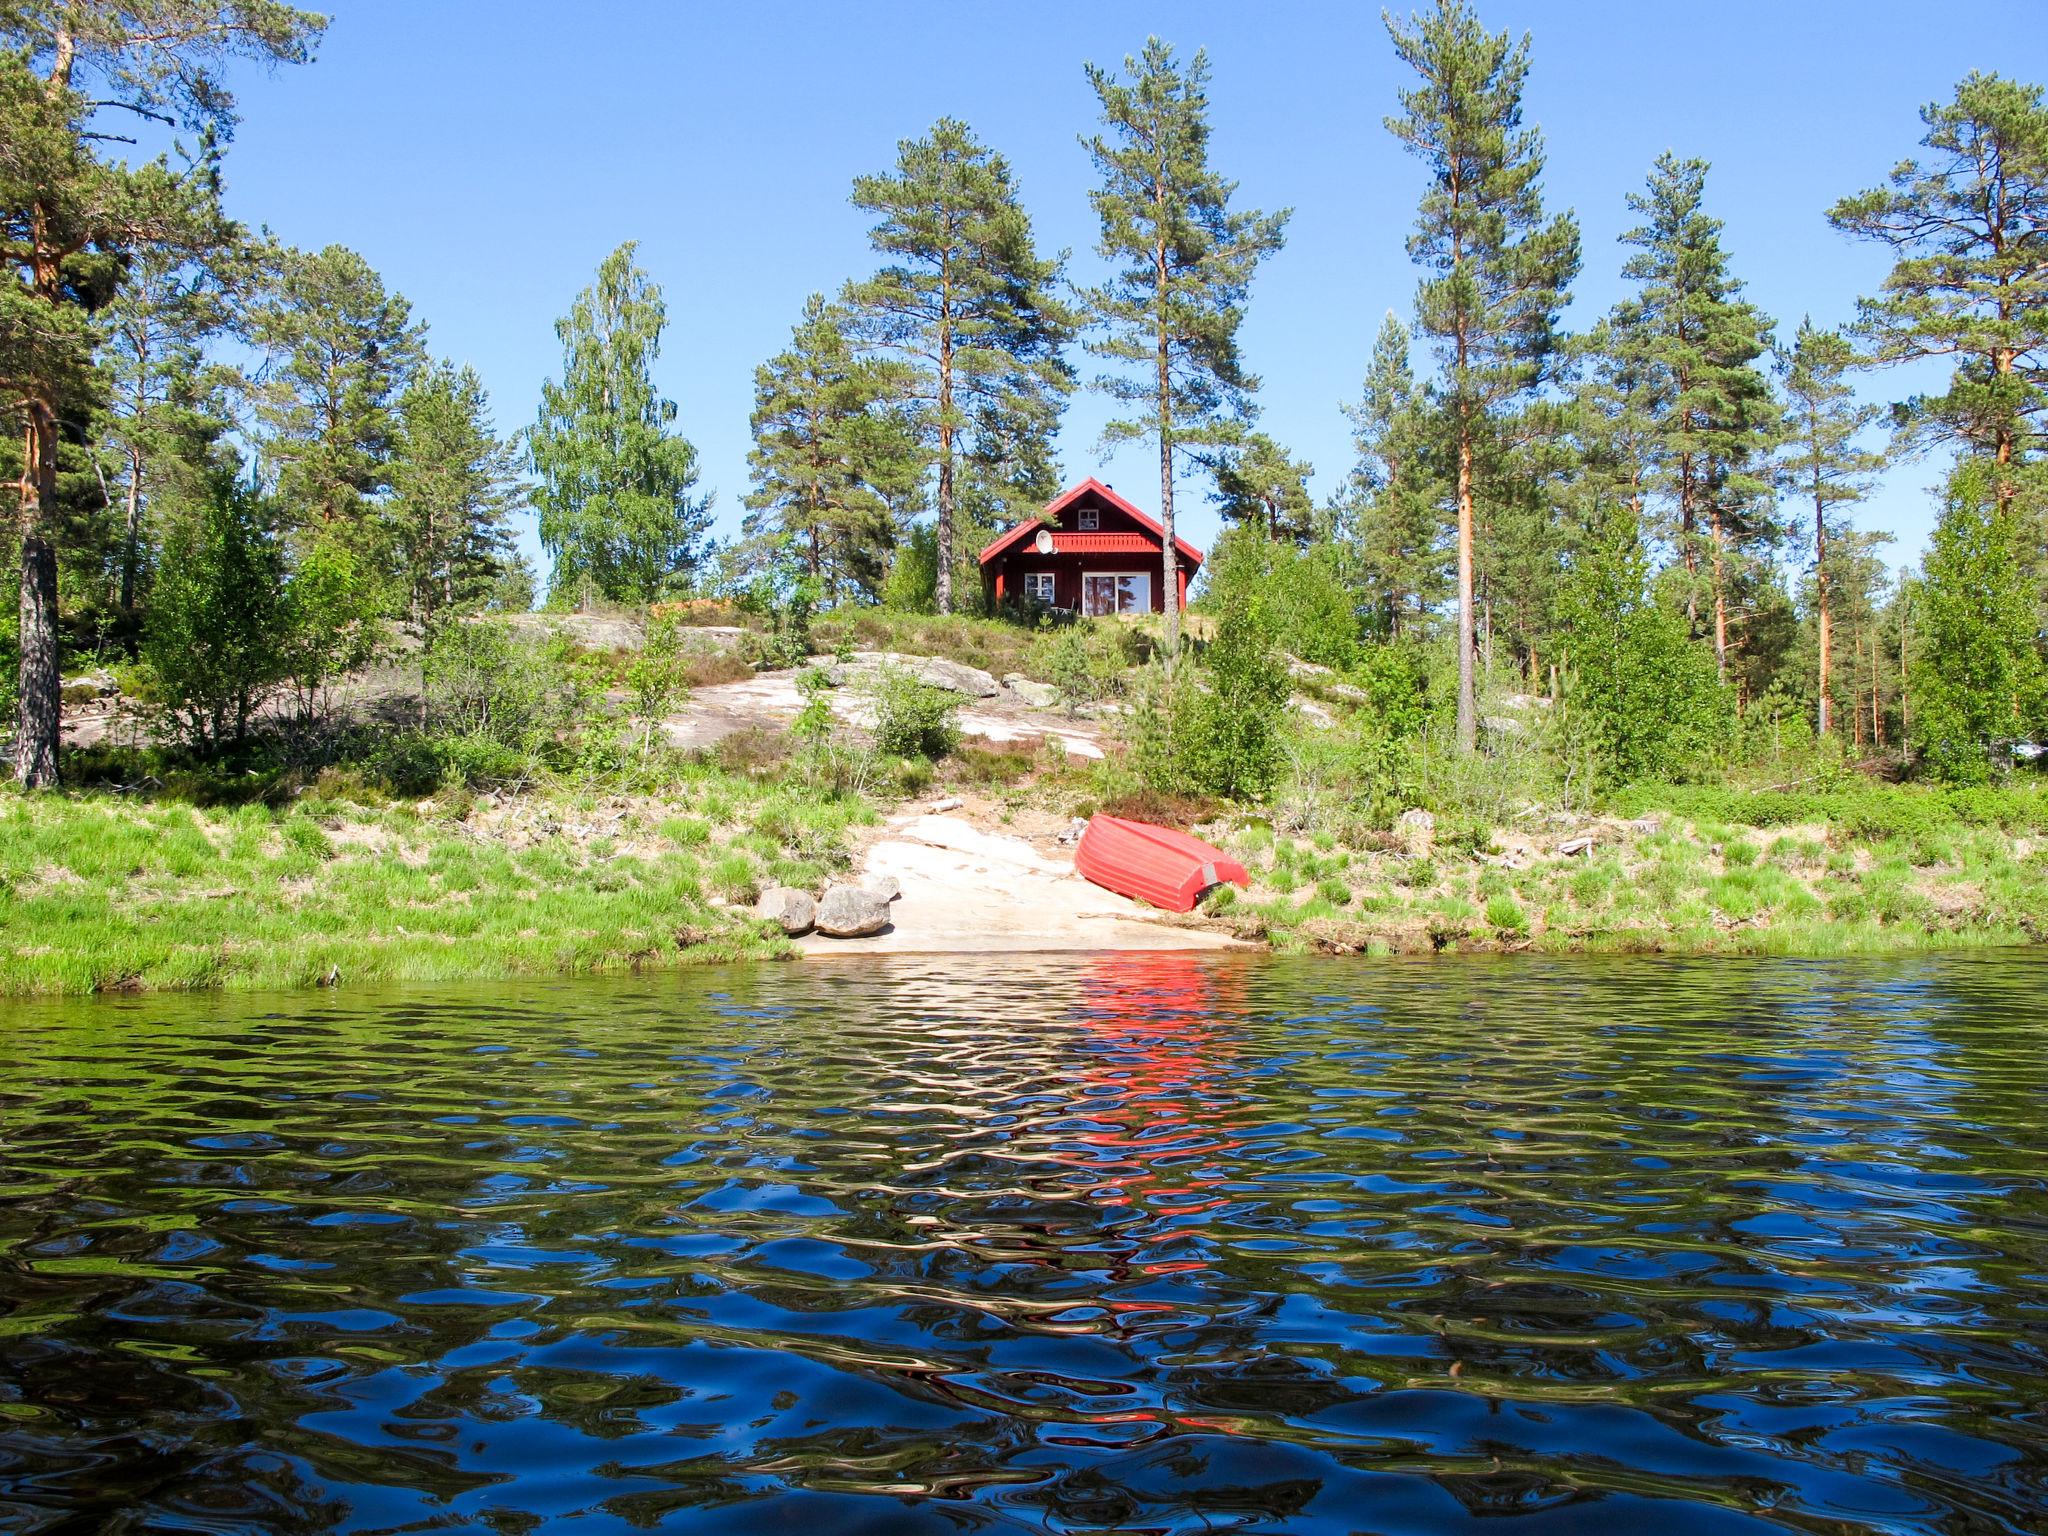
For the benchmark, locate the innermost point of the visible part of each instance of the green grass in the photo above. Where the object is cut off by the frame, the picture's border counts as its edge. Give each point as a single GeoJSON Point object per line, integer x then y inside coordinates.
{"type": "Point", "coordinates": [102, 893]}
{"type": "Point", "coordinates": [1710, 887]}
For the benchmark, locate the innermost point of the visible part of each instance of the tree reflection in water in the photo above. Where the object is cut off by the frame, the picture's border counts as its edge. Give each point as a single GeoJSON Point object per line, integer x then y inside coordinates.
{"type": "Point", "coordinates": [1146, 1243]}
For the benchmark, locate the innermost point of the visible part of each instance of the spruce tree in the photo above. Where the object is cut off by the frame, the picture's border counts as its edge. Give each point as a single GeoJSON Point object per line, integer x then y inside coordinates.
{"type": "Point", "coordinates": [65, 216]}
{"type": "Point", "coordinates": [616, 514]}
{"type": "Point", "coordinates": [1170, 312]}
{"type": "Point", "coordinates": [1500, 267]}
{"type": "Point", "coordinates": [1392, 502]}
{"type": "Point", "coordinates": [1260, 484]}
{"type": "Point", "coordinates": [836, 461]}
{"type": "Point", "coordinates": [1825, 468]}
{"type": "Point", "coordinates": [1968, 224]}
{"type": "Point", "coordinates": [455, 483]}
{"type": "Point", "coordinates": [339, 349]}
{"type": "Point", "coordinates": [1700, 344]}
{"type": "Point", "coordinates": [969, 307]}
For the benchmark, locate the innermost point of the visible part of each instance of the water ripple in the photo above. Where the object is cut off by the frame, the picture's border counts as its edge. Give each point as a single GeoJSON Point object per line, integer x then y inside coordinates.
{"type": "Point", "coordinates": [1136, 1243]}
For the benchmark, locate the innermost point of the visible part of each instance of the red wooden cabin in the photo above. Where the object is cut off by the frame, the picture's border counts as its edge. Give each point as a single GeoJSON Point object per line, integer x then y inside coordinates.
{"type": "Point", "coordinates": [1089, 551]}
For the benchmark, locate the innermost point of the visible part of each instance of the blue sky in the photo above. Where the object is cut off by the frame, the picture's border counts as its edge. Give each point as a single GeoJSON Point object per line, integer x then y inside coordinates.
{"type": "Point", "coordinates": [485, 157]}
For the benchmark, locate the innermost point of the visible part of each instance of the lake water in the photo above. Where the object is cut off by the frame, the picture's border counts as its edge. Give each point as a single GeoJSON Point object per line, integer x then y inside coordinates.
{"type": "Point", "coordinates": [1097, 1243]}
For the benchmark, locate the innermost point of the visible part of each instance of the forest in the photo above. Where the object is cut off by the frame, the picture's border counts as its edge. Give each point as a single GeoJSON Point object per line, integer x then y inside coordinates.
{"type": "Point", "coordinates": [1582, 561]}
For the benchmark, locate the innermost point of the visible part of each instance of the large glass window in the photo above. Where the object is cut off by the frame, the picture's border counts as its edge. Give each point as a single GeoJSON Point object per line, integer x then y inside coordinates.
{"type": "Point", "coordinates": [1120, 593]}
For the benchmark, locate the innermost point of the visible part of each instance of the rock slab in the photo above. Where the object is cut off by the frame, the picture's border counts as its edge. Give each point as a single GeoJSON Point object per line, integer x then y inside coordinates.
{"type": "Point", "coordinates": [847, 912]}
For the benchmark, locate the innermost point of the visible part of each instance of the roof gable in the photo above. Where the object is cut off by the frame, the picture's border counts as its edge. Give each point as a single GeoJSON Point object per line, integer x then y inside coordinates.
{"type": "Point", "coordinates": [1089, 489]}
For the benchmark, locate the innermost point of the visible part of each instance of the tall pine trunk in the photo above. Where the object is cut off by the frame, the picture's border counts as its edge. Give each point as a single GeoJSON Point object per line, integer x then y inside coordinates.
{"type": "Point", "coordinates": [1468, 698]}
{"type": "Point", "coordinates": [38, 711]}
{"type": "Point", "coordinates": [131, 533]}
{"type": "Point", "coordinates": [942, 590]}
{"type": "Point", "coordinates": [1821, 603]}
{"type": "Point", "coordinates": [1169, 563]}
{"type": "Point", "coordinates": [1720, 599]}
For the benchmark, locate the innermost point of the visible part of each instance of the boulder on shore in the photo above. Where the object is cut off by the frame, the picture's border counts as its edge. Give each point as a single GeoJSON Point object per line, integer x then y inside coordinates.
{"type": "Point", "coordinates": [847, 912]}
{"type": "Point", "coordinates": [933, 671]}
{"type": "Point", "coordinates": [793, 909]}
{"type": "Point", "coordinates": [1037, 695]}
{"type": "Point", "coordinates": [884, 888]}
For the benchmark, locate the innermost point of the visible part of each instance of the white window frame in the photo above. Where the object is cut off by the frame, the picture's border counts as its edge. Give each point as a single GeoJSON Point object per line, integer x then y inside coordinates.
{"type": "Point", "coordinates": [1040, 586]}
{"type": "Point", "coordinates": [1144, 603]}
{"type": "Point", "coordinates": [1088, 519]}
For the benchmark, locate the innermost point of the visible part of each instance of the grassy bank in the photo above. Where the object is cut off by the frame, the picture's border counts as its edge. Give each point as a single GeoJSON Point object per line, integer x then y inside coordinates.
{"type": "Point", "coordinates": [100, 892]}
{"type": "Point", "coordinates": [1881, 869]}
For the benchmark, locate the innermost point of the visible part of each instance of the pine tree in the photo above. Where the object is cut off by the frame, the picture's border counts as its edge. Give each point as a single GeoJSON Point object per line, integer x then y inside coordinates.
{"type": "Point", "coordinates": [1260, 484]}
{"type": "Point", "coordinates": [969, 307]}
{"type": "Point", "coordinates": [455, 483]}
{"type": "Point", "coordinates": [1501, 268]}
{"type": "Point", "coordinates": [836, 461]}
{"type": "Point", "coordinates": [616, 514]}
{"type": "Point", "coordinates": [1968, 225]}
{"type": "Point", "coordinates": [1824, 467]}
{"type": "Point", "coordinates": [339, 349]}
{"type": "Point", "coordinates": [1393, 500]}
{"type": "Point", "coordinates": [1689, 331]}
{"type": "Point", "coordinates": [1170, 312]}
{"type": "Point", "coordinates": [64, 215]}
{"type": "Point", "coordinates": [165, 411]}
{"type": "Point", "coordinates": [1977, 677]}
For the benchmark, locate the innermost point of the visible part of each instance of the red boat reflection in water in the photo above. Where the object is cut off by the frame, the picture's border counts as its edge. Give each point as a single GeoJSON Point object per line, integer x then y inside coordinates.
{"type": "Point", "coordinates": [1156, 1081]}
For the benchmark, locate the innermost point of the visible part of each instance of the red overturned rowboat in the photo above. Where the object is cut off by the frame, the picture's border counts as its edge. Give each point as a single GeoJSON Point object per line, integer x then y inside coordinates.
{"type": "Point", "coordinates": [1167, 869]}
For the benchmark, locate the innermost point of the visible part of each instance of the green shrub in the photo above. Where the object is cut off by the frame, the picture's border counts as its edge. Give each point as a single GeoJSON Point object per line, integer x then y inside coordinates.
{"type": "Point", "coordinates": [486, 682]}
{"type": "Point", "coordinates": [216, 633]}
{"type": "Point", "coordinates": [1641, 698]}
{"type": "Point", "coordinates": [912, 718]}
{"type": "Point", "coordinates": [658, 677]}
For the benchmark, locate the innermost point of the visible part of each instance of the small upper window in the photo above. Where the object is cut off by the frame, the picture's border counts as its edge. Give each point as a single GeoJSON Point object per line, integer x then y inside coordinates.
{"type": "Point", "coordinates": [1089, 519]}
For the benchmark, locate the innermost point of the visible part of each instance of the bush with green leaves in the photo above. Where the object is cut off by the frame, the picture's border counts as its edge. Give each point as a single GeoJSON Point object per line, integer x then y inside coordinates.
{"type": "Point", "coordinates": [331, 609]}
{"type": "Point", "coordinates": [1216, 729]}
{"type": "Point", "coordinates": [486, 683]}
{"type": "Point", "coordinates": [786, 596]}
{"type": "Point", "coordinates": [216, 637]}
{"type": "Point", "coordinates": [1087, 663]}
{"type": "Point", "coordinates": [1641, 699]}
{"type": "Point", "coordinates": [658, 676]}
{"type": "Point", "coordinates": [912, 585]}
{"type": "Point", "coordinates": [1295, 594]}
{"type": "Point", "coordinates": [912, 718]}
{"type": "Point", "coordinates": [1978, 681]}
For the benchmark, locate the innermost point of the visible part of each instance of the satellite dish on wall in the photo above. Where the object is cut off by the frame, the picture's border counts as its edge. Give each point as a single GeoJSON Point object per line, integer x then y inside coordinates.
{"type": "Point", "coordinates": [1044, 541]}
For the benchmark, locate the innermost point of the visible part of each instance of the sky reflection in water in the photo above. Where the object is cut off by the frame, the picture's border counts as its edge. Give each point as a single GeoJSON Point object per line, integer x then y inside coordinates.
{"type": "Point", "coordinates": [1131, 1243]}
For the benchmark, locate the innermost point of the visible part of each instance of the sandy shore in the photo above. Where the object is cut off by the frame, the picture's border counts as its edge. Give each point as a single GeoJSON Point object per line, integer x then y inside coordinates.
{"type": "Point", "coordinates": [973, 891]}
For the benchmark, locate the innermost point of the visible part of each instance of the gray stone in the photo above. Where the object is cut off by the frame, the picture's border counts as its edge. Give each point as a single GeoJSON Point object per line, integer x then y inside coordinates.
{"type": "Point", "coordinates": [788, 906]}
{"type": "Point", "coordinates": [1574, 845]}
{"type": "Point", "coordinates": [950, 803]}
{"type": "Point", "coordinates": [1037, 695]}
{"type": "Point", "coordinates": [884, 888]}
{"type": "Point", "coordinates": [953, 676]}
{"type": "Point", "coordinates": [845, 912]}
{"type": "Point", "coordinates": [1312, 712]}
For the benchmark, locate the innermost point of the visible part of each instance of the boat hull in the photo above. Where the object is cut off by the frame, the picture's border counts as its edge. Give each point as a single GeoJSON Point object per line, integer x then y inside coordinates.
{"type": "Point", "coordinates": [1156, 865]}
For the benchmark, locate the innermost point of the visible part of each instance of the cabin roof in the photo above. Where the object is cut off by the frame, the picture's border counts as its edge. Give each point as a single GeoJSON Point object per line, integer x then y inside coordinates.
{"type": "Point", "coordinates": [1073, 543]}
